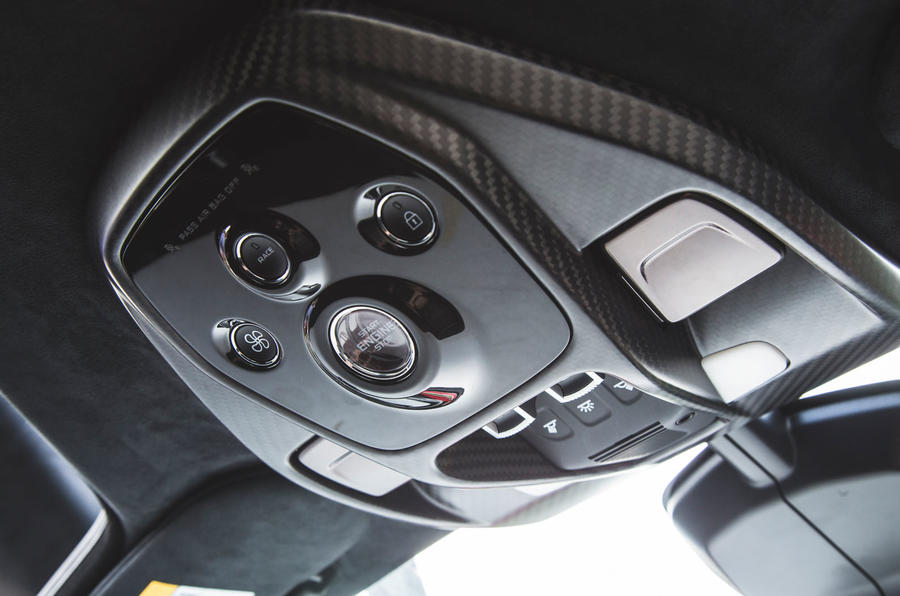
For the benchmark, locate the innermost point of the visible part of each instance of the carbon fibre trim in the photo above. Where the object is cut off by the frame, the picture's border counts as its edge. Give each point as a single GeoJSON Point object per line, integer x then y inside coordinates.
{"type": "Point", "coordinates": [482, 457]}
{"type": "Point", "coordinates": [345, 61]}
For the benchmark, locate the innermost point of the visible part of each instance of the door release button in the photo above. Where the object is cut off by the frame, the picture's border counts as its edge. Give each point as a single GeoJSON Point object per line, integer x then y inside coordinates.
{"type": "Point", "coordinates": [688, 255]}
{"type": "Point", "coordinates": [254, 346]}
{"type": "Point", "coordinates": [262, 259]}
{"type": "Point", "coordinates": [372, 343]}
{"type": "Point", "coordinates": [406, 219]}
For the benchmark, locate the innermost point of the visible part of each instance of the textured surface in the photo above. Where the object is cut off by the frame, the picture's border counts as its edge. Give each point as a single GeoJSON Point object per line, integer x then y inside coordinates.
{"type": "Point", "coordinates": [482, 457]}
{"type": "Point", "coordinates": [79, 369]}
{"type": "Point", "coordinates": [286, 537]}
{"type": "Point", "coordinates": [42, 496]}
{"type": "Point", "coordinates": [794, 75]}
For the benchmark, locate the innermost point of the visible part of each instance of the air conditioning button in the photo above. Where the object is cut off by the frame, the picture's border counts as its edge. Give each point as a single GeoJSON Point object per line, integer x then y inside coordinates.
{"type": "Point", "coordinates": [253, 346]}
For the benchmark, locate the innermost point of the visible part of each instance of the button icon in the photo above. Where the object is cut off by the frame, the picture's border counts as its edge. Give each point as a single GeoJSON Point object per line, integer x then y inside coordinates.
{"type": "Point", "coordinates": [550, 426]}
{"type": "Point", "coordinates": [590, 409]}
{"type": "Point", "coordinates": [256, 341]}
{"type": "Point", "coordinates": [623, 390]}
{"type": "Point", "coordinates": [412, 220]}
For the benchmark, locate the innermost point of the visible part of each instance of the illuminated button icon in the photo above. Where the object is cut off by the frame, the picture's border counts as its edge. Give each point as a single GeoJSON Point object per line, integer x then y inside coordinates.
{"type": "Point", "coordinates": [372, 344]}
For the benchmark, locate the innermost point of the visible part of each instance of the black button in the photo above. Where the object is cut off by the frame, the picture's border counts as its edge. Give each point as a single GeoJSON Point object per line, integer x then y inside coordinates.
{"type": "Point", "coordinates": [622, 390]}
{"type": "Point", "coordinates": [254, 345]}
{"type": "Point", "coordinates": [262, 259]}
{"type": "Point", "coordinates": [576, 385]}
{"type": "Point", "coordinates": [550, 425]}
{"type": "Point", "coordinates": [508, 423]}
{"type": "Point", "coordinates": [372, 343]}
{"type": "Point", "coordinates": [588, 409]}
{"type": "Point", "coordinates": [406, 219]}
{"type": "Point", "coordinates": [573, 384]}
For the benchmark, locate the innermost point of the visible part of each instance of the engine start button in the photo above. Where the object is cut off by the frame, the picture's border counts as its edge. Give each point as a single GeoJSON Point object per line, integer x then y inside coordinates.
{"type": "Point", "coordinates": [372, 343]}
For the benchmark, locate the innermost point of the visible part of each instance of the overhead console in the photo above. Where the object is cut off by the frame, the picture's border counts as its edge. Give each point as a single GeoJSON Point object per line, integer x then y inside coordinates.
{"type": "Point", "coordinates": [333, 276]}
{"type": "Point", "coordinates": [402, 282]}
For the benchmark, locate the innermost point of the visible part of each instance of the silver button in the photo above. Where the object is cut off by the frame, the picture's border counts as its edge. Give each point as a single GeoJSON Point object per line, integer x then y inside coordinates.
{"type": "Point", "coordinates": [372, 343]}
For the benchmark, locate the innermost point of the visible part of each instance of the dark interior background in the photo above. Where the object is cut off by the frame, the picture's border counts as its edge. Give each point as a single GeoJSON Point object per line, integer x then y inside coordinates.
{"type": "Point", "coordinates": [799, 78]}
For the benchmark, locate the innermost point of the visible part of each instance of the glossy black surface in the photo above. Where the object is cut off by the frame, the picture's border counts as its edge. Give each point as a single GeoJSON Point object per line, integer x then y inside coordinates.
{"type": "Point", "coordinates": [307, 183]}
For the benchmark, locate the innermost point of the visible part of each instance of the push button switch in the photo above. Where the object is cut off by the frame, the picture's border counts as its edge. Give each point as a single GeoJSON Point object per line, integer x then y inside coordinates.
{"type": "Point", "coordinates": [589, 409]}
{"type": "Point", "coordinates": [622, 390]}
{"type": "Point", "coordinates": [372, 343]}
{"type": "Point", "coordinates": [253, 346]}
{"type": "Point", "coordinates": [407, 220]}
{"type": "Point", "coordinates": [262, 259]}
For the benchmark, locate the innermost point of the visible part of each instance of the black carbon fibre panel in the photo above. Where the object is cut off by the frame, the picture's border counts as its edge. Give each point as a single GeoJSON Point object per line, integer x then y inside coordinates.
{"type": "Point", "coordinates": [482, 457]}
{"type": "Point", "coordinates": [346, 66]}
{"type": "Point", "coordinates": [788, 387]}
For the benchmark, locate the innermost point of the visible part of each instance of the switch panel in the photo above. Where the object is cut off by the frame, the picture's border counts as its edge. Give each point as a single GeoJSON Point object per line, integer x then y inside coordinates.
{"type": "Point", "coordinates": [609, 421]}
{"type": "Point", "coordinates": [379, 293]}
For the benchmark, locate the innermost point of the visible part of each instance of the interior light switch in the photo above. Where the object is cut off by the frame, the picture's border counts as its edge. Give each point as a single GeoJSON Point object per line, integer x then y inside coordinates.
{"type": "Point", "coordinates": [688, 254]}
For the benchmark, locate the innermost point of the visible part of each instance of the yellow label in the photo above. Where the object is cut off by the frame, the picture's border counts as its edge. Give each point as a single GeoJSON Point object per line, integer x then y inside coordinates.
{"type": "Point", "coordinates": [155, 588]}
